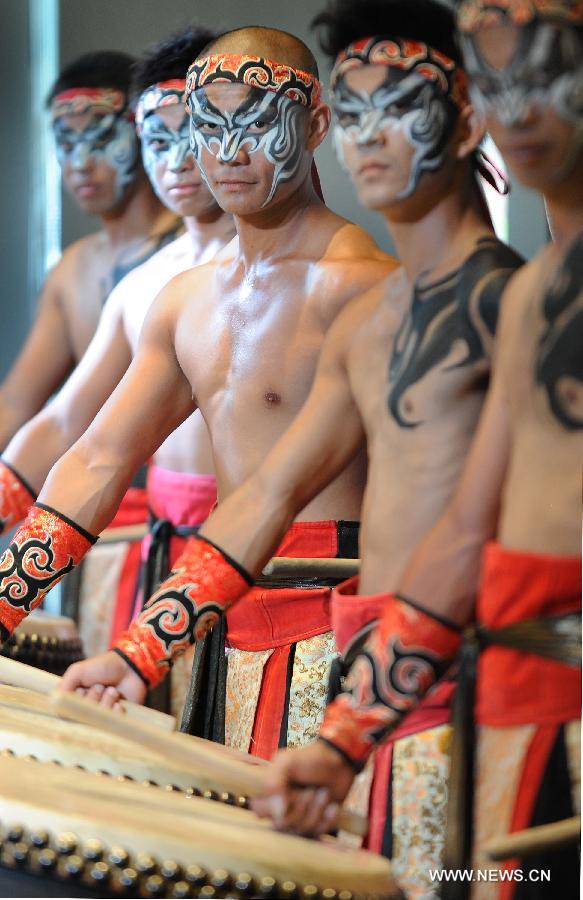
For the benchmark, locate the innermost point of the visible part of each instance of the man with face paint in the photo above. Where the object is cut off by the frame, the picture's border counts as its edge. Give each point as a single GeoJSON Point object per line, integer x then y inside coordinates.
{"type": "Point", "coordinates": [239, 339]}
{"type": "Point", "coordinates": [99, 156]}
{"type": "Point", "coordinates": [180, 483]}
{"type": "Point", "coordinates": [511, 533]}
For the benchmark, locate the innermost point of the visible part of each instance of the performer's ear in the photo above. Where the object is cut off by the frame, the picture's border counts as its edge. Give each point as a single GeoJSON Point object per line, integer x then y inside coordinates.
{"type": "Point", "coordinates": [318, 125]}
{"type": "Point", "coordinates": [470, 132]}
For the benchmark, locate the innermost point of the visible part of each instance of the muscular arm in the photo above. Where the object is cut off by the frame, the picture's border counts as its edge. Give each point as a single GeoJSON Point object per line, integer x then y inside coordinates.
{"type": "Point", "coordinates": [43, 440]}
{"type": "Point", "coordinates": [319, 444]}
{"type": "Point", "coordinates": [44, 361]}
{"type": "Point", "coordinates": [419, 632]}
{"type": "Point", "coordinates": [152, 399]}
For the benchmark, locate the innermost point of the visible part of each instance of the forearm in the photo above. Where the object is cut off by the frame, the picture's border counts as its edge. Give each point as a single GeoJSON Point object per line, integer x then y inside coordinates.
{"type": "Point", "coordinates": [448, 557]}
{"type": "Point", "coordinates": [404, 655]}
{"type": "Point", "coordinates": [13, 416]}
{"type": "Point", "coordinates": [88, 483]}
{"type": "Point", "coordinates": [251, 522]}
{"type": "Point", "coordinates": [37, 446]}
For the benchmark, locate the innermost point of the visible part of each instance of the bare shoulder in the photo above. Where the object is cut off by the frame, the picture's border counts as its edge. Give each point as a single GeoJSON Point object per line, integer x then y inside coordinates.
{"type": "Point", "coordinates": [524, 289]}
{"type": "Point", "coordinates": [372, 314]}
{"type": "Point", "coordinates": [352, 264]}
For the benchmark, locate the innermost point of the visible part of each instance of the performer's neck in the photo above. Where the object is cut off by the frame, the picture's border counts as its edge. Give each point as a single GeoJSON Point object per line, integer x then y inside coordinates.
{"type": "Point", "coordinates": [443, 234]}
{"type": "Point", "coordinates": [279, 230]}
{"type": "Point", "coordinates": [139, 215]}
{"type": "Point", "coordinates": [564, 207]}
{"type": "Point", "coordinates": [215, 229]}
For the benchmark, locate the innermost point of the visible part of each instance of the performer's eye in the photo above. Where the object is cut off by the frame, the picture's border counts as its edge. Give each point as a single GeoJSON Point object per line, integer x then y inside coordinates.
{"type": "Point", "coordinates": [66, 146]}
{"type": "Point", "coordinates": [345, 120]}
{"type": "Point", "coordinates": [158, 145]}
{"type": "Point", "coordinates": [207, 127]}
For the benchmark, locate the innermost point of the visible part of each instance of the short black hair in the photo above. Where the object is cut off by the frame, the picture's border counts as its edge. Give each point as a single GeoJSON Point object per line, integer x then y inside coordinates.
{"type": "Point", "coordinates": [170, 58]}
{"type": "Point", "coordinates": [345, 21]}
{"type": "Point", "coordinates": [104, 69]}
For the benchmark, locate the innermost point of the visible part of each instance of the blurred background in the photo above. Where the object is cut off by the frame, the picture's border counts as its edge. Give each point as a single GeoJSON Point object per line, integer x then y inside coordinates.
{"type": "Point", "coordinates": [39, 36]}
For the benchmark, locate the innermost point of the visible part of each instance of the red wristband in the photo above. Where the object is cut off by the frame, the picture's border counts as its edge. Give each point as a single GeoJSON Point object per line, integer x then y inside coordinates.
{"type": "Point", "coordinates": [42, 551]}
{"type": "Point", "coordinates": [16, 497]}
{"type": "Point", "coordinates": [203, 584]}
{"type": "Point", "coordinates": [403, 657]}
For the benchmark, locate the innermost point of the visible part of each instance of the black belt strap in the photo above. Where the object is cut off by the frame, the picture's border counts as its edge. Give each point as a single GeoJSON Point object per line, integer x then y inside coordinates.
{"type": "Point", "coordinates": [552, 637]}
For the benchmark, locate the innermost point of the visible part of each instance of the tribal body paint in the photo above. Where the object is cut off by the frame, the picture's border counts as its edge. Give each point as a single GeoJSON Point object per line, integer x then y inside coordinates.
{"type": "Point", "coordinates": [249, 105]}
{"type": "Point", "coordinates": [94, 130]}
{"type": "Point", "coordinates": [415, 99]}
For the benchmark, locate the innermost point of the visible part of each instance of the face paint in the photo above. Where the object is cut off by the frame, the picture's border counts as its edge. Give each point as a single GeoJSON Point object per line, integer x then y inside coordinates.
{"type": "Point", "coordinates": [109, 137]}
{"type": "Point", "coordinates": [264, 122]}
{"type": "Point", "coordinates": [418, 97]}
{"type": "Point", "coordinates": [269, 120]}
{"type": "Point", "coordinates": [546, 70]}
{"type": "Point", "coordinates": [160, 142]}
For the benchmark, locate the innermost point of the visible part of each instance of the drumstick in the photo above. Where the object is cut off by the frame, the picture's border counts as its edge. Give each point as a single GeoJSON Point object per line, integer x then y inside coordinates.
{"type": "Point", "coordinates": [553, 836]}
{"type": "Point", "coordinates": [20, 675]}
{"type": "Point", "coordinates": [282, 566]}
{"type": "Point", "coordinates": [237, 777]}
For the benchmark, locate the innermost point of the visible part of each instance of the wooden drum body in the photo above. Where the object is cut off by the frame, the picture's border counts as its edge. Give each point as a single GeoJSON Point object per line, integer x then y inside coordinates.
{"type": "Point", "coordinates": [97, 836]}
{"type": "Point", "coordinates": [46, 642]}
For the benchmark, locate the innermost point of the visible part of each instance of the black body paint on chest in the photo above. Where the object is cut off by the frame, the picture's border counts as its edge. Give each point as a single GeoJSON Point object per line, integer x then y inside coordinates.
{"type": "Point", "coordinates": [148, 249]}
{"type": "Point", "coordinates": [445, 313]}
{"type": "Point", "coordinates": [560, 349]}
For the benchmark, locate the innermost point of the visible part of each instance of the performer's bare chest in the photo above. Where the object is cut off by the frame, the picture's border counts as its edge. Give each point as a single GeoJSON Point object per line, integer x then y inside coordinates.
{"type": "Point", "coordinates": [254, 355]}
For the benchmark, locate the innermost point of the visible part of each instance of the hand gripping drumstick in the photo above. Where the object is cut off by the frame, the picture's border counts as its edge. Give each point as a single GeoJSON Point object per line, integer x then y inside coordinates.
{"type": "Point", "coordinates": [236, 776]}
{"type": "Point", "coordinates": [20, 675]}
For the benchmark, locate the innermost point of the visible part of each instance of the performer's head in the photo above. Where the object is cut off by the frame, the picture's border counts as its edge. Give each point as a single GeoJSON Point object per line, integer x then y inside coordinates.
{"type": "Point", "coordinates": [94, 130]}
{"type": "Point", "coordinates": [163, 123]}
{"type": "Point", "coordinates": [256, 117]}
{"type": "Point", "coordinates": [403, 126]}
{"type": "Point", "coordinates": [525, 63]}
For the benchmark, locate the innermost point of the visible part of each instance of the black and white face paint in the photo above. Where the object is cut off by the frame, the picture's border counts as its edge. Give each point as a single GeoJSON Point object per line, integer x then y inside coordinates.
{"type": "Point", "coordinates": [546, 70]}
{"type": "Point", "coordinates": [405, 102]}
{"type": "Point", "coordinates": [109, 138]}
{"type": "Point", "coordinates": [264, 122]}
{"type": "Point", "coordinates": [161, 143]}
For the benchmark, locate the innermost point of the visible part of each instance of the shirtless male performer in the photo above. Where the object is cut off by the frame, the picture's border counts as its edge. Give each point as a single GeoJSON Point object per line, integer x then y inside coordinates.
{"type": "Point", "coordinates": [239, 339]}
{"type": "Point", "coordinates": [431, 324]}
{"type": "Point", "coordinates": [516, 511]}
{"type": "Point", "coordinates": [180, 485]}
{"type": "Point", "coordinates": [98, 152]}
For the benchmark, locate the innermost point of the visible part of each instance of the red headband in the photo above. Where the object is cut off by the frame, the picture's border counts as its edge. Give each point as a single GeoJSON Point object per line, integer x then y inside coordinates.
{"type": "Point", "coordinates": [163, 93]}
{"type": "Point", "coordinates": [476, 14]}
{"type": "Point", "coordinates": [255, 71]}
{"type": "Point", "coordinates": [76, 101]}
{"type": "Point", "coordinates": [406, 55]}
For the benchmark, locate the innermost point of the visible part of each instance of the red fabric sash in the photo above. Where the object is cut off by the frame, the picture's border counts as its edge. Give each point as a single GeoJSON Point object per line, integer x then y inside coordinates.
{"type": "Point", "coordinates": [515, 688]}
{"type": "Point", "coordinates": [133, 510]}
{"type": "Point", "coordinates": [273, 617]}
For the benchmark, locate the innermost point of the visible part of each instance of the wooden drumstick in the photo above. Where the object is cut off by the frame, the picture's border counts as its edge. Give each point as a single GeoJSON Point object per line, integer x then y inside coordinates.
{"type": "Point", "coordinates": [236, 777]}
{"type": "Point", "coordinates": [20, 675]}
{"type": "Point", "coordinates": [550, 837]}
{"type": "Point", "coordinates": [283, 566]}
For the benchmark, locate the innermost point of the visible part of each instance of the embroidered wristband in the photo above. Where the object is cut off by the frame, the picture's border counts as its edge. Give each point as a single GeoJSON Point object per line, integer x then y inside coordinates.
{"type": "Point", "coordinates": [16, 496]}
{"type": "Point", "coordinates": [403, 657]}
{"type": "Point", "coordinates": [42, 551]}
{"type": "Point", "coordinates": [203, 584]}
